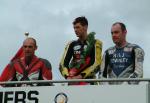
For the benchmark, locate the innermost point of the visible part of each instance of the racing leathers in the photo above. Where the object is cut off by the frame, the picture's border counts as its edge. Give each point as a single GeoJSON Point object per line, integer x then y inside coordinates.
{"type": "Point", "coordinates": [17, 70]}
{"type": "Point", "coordinates": [73, 55]}
{"type": "Point", "coordinates": [125, 62]}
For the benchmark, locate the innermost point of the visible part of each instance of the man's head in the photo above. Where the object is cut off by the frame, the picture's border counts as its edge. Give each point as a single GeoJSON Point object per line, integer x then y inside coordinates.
{"type": "Point", "coordinates": [119, 32]}
{"type": "Point", "coordinates": [29, 47]}
{"type": "Point", "coordinates": [80, 26]}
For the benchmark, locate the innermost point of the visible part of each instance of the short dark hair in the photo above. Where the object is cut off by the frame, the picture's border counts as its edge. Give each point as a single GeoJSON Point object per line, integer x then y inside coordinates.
{"type": "Point", "coordinates": [123, 27]}
{"type": "Point", "coordinates": [82, 20]}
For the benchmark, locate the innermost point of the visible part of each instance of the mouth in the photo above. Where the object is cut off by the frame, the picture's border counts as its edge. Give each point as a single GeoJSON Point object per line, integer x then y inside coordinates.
{"type": "Point", "coordinates": [115, 38]}
{"type": "Point", "coordinates": [77, 34]}
{"type": "Point", "coordinates": [27, 53]}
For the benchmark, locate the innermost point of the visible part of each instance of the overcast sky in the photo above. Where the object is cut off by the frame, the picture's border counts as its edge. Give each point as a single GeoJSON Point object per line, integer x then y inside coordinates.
{"type": "Point", "coordinates": [50, 23]}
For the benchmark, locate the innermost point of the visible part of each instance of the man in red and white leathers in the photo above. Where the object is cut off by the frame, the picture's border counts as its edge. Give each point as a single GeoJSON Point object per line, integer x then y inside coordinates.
{"type": "Point", "coordinates": [28, 67]}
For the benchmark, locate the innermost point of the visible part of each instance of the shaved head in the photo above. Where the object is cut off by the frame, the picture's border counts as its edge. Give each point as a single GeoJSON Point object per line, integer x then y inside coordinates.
{"type": "Point", "coordinates": [32, 40]}
{"type": "Point", "coordinates": [29, 47]}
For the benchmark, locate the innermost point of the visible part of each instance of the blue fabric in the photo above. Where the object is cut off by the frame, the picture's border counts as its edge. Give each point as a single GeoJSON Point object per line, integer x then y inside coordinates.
{"type": "Point", "coordinates": [120, 60]}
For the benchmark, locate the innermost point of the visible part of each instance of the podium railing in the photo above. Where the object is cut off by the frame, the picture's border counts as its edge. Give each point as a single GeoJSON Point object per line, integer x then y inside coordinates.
{"type": "Point", "coordinates": [77, 94]}
{"type": "Point", "coordinates": [80, 80]}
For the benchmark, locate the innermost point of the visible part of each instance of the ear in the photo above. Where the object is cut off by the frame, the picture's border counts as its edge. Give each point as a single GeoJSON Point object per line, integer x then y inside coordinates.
{"type": "Point", "coordinates": [85, 27]}
{"type": "Point", "coordinates": [36, 47]}
{"type": "Point", "coordinates": [125, 32]}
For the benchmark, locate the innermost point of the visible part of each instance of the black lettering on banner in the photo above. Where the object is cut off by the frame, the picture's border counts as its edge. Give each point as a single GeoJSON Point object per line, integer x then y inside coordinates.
{"type": "Point", "coordinates": [33, 98]}
{"type": "Point", "coordinates": [20, 97]}
{"type": "Point", "coordinates": [7, 97]}
{"type": "Point", "coordinates": [1, 97]}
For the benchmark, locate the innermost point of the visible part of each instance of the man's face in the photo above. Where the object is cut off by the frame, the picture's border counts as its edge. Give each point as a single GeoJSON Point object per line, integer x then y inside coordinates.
{"type": "Point", "coordinates": [29, 47]}
{"type": "Point", "coordinates": [80, 30]}
{"type": "Point", "coordinates": [118, 36]}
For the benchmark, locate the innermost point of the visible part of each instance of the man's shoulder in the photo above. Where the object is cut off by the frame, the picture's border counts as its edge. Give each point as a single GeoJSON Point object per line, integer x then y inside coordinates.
{"type": "Point", "coordinates": [98, 41]}
{"type": "Point", "coordinates": [70, 43]}
{"type": "Point", "coordinates": [46, 62]}
{"type": "Point", "coordinates": [110, 50]}
{"type": "Point", "coordinates": [138, 50]}
{"type": "Point", "coordinates": [134, 46]}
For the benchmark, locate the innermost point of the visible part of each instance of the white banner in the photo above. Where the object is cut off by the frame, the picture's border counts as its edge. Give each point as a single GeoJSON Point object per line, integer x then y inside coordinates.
{"type": "Point", "coordinates": [76, 94]}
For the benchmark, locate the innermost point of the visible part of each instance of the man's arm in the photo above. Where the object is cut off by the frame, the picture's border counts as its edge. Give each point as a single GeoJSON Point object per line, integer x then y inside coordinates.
{"type": "Point", "coordinates": [45, 73]}
{"type": "Point", "coordinates": [47, 70]}
{"type": "Point", "coordinates": [139, 58]}
{"type": "Point", "coordinates": [64, 64]}
{"type": "Point", "coordinates": [104, 65]}
{"type": "Point", "coordinates": [93, 69]}
{"type": "Point", "coordinates": [8, 74]}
